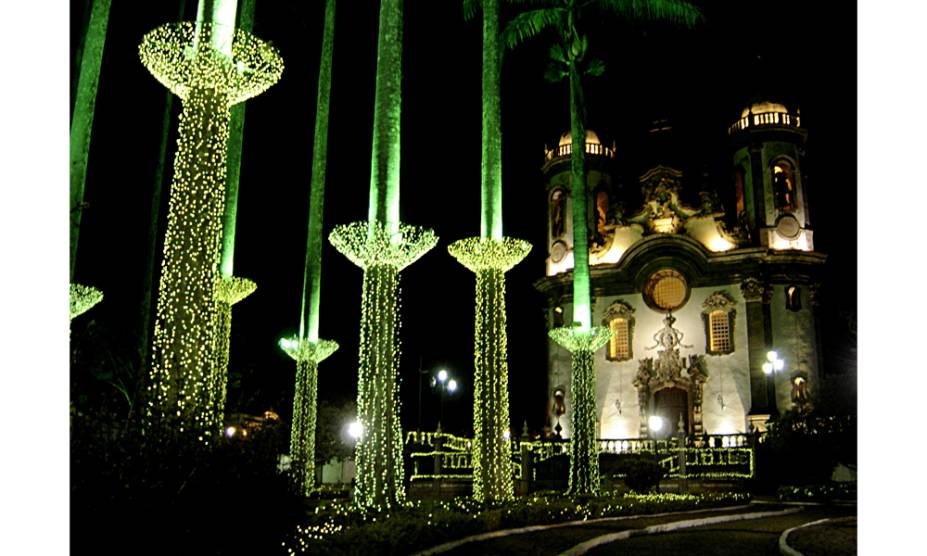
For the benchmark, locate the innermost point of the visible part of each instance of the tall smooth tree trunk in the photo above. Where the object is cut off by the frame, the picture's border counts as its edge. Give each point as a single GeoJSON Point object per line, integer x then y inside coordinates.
{"type": "Point", "coordinates": [582, 306]}
{"type": "Point", "coordinates": [312, 349]}
{"type": "Point", "coordinates": [82, 115]}
{"type": "Point", "coordinates": [382, 246]}
{"type": "Point", "coordinates": [489, 257]}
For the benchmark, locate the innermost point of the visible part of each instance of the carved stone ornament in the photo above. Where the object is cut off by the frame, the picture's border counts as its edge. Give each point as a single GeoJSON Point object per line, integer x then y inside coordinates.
{"type": "Point", "coordinates": [719, 300]}
{"type": "Point", "coordinates": [670, 370]}
{"type": "Point", "coordinates": [618, 310]}
{"type": "Point", "coordinates": [753, 289]}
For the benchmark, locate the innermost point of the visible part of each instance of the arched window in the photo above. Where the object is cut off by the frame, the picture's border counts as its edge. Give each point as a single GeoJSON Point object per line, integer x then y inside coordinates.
{"type": "Point", "coordinates": [620, 322]}
{"type": "Point", "coordinates": [793, 298]}
{"type": "Point", "coordinates": [783, 179]}
{"type": "Point", "coordinates": [718, 314]}
{"type": "Point", "coordinates": [557, 205]}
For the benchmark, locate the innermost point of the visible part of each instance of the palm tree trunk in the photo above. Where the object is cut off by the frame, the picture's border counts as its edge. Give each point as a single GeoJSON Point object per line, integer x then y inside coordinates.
{"type": "Point", "coordinates": [584, 457]}
{"type": "Point", "coordinates": [309, 316]}
{"type": "Point", "coordinates": [491, 198]}
{"type": "Point", "coordinates": [82, 115]}
{"type": "Point", "coordinates": [581, 299]}
{"type": "Point", "coordinates": [384, 171]}
{"type": "Point", "coordinates": [302, 433]}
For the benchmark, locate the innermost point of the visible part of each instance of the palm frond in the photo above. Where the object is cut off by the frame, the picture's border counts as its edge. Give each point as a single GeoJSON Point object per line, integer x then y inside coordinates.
{"type": "Point", "coordinates": [545, 3]}
{"type": "Point", "coordinates": [470, 7]}
{"type": "Point", "coordinates": [672, 11]}
{"type": "Point", "coordinates": [556, 54]}
{"type": "Point", "coordinates": [555, 72]}
{"type": "Point", "coordinates": [529, 24]}
{"type": "Point", "coordinates": [595, 67]}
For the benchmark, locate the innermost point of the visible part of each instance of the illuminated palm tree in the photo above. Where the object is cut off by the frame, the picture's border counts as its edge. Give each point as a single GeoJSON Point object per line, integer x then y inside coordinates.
{"type": "Point", "coordinates": [570, 62]}
{"type": "Point", "coordinates": [382, 246]}
{"type": "Point", "coordinates": [489, 256]}
{"type": "Point", "coordinates": [307, 349]}
{"type": "Point", "coordinates": [85, 98]}
{"type": "Point", "coordinates": [210, 66]}
{"type": "Point", "coordinates": [230, 289]}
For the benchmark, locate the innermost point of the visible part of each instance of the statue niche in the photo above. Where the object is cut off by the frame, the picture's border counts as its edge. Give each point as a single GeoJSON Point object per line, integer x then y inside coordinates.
{"type": "Point", "coordinates": [671, 370]}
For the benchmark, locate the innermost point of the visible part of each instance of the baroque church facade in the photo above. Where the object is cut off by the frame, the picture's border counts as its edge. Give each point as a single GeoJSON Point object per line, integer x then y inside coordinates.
{"type": "Point", "coordinates": [710, 298]}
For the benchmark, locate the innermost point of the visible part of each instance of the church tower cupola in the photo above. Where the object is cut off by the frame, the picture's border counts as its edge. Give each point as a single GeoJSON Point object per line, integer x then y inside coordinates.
{"type": "Point", "coordinates": [770, 196]}
{"type": "Point", "coordinates": [600, 195]}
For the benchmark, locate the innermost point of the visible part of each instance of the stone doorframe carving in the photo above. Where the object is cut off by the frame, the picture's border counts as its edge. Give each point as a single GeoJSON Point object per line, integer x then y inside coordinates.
{"type": "Point", "coordinates": [670, 370]}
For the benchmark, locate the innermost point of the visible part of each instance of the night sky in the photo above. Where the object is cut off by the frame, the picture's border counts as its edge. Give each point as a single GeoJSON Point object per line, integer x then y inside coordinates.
{"type": "Point", "coordinates": [700, 79]}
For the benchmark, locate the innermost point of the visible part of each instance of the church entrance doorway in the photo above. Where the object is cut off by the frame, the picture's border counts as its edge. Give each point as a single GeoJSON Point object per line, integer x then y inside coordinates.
{"type": "Point", "coordinates": [670, 404]}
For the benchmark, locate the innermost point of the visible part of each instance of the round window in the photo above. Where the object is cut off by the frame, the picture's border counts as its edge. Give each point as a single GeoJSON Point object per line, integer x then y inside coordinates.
{"type": "Point", "coordinates": [666, 290]}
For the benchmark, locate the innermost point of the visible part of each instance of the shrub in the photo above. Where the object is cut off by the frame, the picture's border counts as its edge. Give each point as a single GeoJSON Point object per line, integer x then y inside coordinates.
{"type": "Point", "coordinates": [642, 474]}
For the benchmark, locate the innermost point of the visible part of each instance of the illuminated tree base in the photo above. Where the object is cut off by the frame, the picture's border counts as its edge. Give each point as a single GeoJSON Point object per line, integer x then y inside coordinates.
{"type": "Point", "coordinates": [308, 355]}
{"type": "Point", "coordinates": [489, 260]}
{"type": "Point", "coordinates": [182, 391]}
{"type": "Point", "coordinates": [584, 454]}
{"type": "Point", "coordinates": [382, 255]}
{"type": "Point", "coordinates": [229, 291]}
{"type": "Point", "coordinates": [83, 298]}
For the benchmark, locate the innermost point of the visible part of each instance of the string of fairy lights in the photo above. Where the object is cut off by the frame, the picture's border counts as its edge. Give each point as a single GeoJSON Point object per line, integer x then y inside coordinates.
{"type": "Point", "coordinates": [307, 355]}
{"type": "Point", "coordinates": [83, 298]}
{"type": "Point", "coordinates": [229, 291]}
{"type": "Point", "coordinates": [183, 389]}
{"type": "Point", "coordinates": [381, 255]}
{"type": "Point", "coordinates": [584, 453]}
{"type": "Point", "coordinates": [489, 259]}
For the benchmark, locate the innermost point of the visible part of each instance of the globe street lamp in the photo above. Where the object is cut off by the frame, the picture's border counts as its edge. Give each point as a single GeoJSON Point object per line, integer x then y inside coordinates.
{"type": "Point", "coordinates": [444, 383]}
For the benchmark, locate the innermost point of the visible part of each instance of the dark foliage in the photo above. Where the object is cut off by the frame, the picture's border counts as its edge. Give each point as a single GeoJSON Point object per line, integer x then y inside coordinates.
{"type": "Point", "coordinates": [128, 497]}
{"type": "Point", "coordinates": [802, 448]}
{"type": "Point", "coordinates": [641, 473]}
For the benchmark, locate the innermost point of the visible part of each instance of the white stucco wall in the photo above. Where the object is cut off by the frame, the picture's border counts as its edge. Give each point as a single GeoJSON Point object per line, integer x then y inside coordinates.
{"type": "Point", "coordinates": [727, 374]}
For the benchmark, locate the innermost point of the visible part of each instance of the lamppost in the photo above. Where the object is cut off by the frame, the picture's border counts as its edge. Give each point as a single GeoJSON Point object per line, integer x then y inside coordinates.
{"type": "Point", "coordinates": [443, 382]}
{"type": "Point", "coordinates": [772, 365]}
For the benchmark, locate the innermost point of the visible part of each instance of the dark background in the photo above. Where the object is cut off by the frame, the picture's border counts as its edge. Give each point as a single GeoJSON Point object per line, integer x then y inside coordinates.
{"type": "Point", "coordinates": [700, 79]}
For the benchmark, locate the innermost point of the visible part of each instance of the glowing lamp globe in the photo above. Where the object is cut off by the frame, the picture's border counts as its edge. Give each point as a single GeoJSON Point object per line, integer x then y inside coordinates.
{"type": "Point", "coordinates": [451, 385]}
{"type": "Point", "coordinates": [355, 430]}
{"type": "Point", "coordinates": [655, 423]}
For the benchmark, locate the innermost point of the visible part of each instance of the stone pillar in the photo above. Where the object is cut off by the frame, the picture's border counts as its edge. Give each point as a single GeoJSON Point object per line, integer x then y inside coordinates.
{"type": "Point", "coordinates": [757, 297]}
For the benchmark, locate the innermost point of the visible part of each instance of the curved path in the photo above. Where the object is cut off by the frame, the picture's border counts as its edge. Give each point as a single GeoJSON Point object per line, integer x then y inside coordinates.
{"type": "Point", "coordinates": [753, 529]}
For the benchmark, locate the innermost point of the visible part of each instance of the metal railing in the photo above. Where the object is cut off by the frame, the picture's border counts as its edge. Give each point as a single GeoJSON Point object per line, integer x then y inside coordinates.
{"type": "Point", "coordinates": [727, 456]}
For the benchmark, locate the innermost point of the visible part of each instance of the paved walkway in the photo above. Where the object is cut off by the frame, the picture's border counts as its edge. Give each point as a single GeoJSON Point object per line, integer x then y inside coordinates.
{"type": "Point", "coordinates": [753, 529]}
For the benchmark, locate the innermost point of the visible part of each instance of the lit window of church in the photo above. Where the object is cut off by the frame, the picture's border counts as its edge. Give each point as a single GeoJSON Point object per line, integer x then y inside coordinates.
{"type": "Point", "coordinates": [720, 332]}
{"type": "Point", "coordinates": [666, 290]}
{"type": "Point", "coordinates": [783, 185]}
{"type": "Point", "coordinates": [620, 322]}
{"type": "Point", "coordinates": [718, 313]}
{"type": "Point", "coordinates": [619, 347]}
{"type": "Point", "coordinates": [793, 298]}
